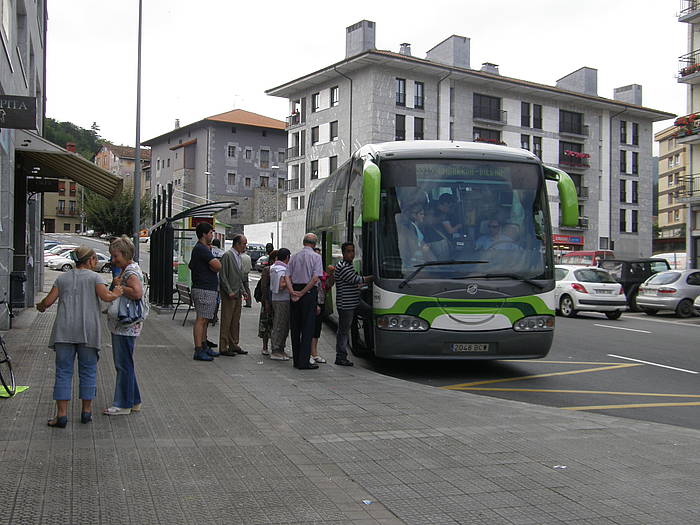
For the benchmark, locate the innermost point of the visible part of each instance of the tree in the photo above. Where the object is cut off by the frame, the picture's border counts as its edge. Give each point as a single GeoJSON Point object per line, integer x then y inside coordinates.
{"type": "Point", "coordinates": [113, 215]}
{"type": "Point", "coordinates": [87, 141]}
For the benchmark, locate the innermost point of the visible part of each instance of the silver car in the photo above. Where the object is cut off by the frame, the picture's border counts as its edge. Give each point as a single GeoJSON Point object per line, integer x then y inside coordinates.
{"type": "Point", "coordinates": [671, 290]}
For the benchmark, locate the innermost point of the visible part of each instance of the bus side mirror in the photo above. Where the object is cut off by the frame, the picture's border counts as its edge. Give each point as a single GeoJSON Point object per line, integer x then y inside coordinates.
{"type": "Point", "coordinates": [371, 188]}
{"type": "Point", "coordinates": [568, 200]}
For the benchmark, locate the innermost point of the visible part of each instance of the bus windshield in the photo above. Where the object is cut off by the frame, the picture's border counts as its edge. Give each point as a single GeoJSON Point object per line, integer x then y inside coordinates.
{"type": "Point", "coordinates": [481, 218]}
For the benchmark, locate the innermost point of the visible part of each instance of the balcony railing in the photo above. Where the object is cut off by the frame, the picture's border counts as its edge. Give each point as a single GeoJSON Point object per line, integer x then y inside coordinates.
{"type": "Point", "coordinates": [419, 102]}
{"type": "Point", "coordinates": [582, 192]}
{"type": "Point", "coordinates": [583, 131]}
{"type": "Point", "coordinates": [294, 185]}
{"type": "Point", "coordinates": [688, 66]}
{"type": "Point", "coordinates": [688, 187]}
{"type": "Point", "coordinates": [293, 152]}
{"type": "Point", "coordinates": [574, 159]}
{"type": "Point", "coordinates": [400, 98]}
{"type": "Point", "coordinates": [294, 120]}
{"type": "Point", "coordinates": [499, 116]}
{"type": "Point", "coordinates": [66, 212]}
{"type": "Point", "coordinates": [689, 10]}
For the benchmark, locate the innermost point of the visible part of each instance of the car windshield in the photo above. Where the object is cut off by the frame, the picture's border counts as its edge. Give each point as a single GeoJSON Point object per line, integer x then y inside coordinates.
{"type": "Point", "coordinates": [664, 278]}
{"type": "Point", "coordinates": [490, 215]}
{"type": "Point", "coordinates": [591, 275]}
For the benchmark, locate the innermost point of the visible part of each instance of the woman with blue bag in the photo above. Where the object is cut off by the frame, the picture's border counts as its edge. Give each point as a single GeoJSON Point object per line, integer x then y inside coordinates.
{"type": "Point", "coordinates": [125, 321]}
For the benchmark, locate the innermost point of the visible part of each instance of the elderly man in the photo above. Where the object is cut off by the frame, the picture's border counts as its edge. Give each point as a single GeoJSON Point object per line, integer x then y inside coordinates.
{"type": "Point", "coordinates": [305, 269]}
{"type": "Point", "coordinates": [232, 288]}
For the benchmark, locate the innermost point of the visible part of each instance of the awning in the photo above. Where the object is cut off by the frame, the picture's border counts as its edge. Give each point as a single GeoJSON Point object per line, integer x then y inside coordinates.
{"type": "Point", "coordinates": [65, 164]}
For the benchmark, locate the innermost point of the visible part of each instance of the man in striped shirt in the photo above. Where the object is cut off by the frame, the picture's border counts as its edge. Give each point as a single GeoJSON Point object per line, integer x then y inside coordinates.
{"type": "Point", "coordinates": [347, 295]}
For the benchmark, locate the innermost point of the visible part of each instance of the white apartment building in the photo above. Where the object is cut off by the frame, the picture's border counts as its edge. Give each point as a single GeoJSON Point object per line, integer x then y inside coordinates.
{"type": "Point", "coordinates": [376, 96]}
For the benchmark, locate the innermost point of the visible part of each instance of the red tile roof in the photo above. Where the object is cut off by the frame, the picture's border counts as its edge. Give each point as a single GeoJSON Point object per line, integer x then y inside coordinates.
{"type": "Point", "coordinates": [248, 118]}
{"type": "Point", "coordinates": [127, 152]}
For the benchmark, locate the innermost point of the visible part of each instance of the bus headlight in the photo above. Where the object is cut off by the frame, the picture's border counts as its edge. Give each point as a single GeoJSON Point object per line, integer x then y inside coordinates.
{"type": "Point", "coordinates": [535, 323]}
{"type": "Point", "coordinates": [404, 323]}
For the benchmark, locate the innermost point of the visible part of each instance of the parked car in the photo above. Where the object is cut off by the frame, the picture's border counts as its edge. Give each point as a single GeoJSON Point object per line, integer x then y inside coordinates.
{"type": "Point", "coordinates": [65, 263]}
{"type": "Point", "coordinates": [57, 251]}
{"type": "Point", "coordinates": [255, 251]}
{"type": "Point", "coordinates": [631, 273]}
{"type": "Point", "coordinates": [696, 305]}
{"type": "Point", "coordinates": [672, 290]}
{"type": "Point", "coordinates": [262, 263]}
{"type": "Point", "coordinates": [49, 244]}
{"type": "Point", "coordinates": [586, 257]}
{"type": "Point", "coordinates": [587, 289]}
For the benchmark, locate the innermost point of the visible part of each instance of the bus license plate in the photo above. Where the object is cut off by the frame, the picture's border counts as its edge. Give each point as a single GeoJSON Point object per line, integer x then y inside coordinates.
{"type": "Point", "coordinates": [470, 347]}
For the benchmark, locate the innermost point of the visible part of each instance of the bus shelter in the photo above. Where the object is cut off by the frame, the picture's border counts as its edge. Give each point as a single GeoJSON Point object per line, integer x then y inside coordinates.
{"type": "Point", "coordinates": [163, 260]}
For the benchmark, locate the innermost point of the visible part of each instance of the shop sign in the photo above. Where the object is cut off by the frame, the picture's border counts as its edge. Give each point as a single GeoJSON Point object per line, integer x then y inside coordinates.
{"type": "Point", "coordinates": [17, 112]}
{"type": "Point", "coordinates": [567, 239]}
{"type": "Point", "coordinates": [42, 185]}
{"type": "Point", "coordinates": [194, 221]}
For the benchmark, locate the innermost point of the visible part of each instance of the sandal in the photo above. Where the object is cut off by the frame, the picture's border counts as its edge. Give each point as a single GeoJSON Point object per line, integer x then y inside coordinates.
{"type": "Point", "coordinates": [279, 357]}
{"type": "Point", "coordinates": [58, 422]}
{"type": "Point", "coordinates": [136, 407]}
{"type": "Point", "coordinates": [318, 359]}
{"type": "Point", "coordinates": [265, 351]}
{"type": "Point", "coordinates": [116, 411]}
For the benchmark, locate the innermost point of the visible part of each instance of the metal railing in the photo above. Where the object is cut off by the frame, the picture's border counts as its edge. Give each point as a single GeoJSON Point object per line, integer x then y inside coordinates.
{"type": "Point", "coordinates": [688, 187]}
{"type": "Point", "coordinates": [583, 131]}
{"type": "Point", "coordinates": [582, 192]}
{"type": "Point", "coordinates": [500, 116]}
{"type": "Point", "coordinates": [572, 162]}
{"type": "Point", "coordinates": [66, 212]}
{"type": "Point", "coordinates": [293, 152]}
{"type": "Point", "coordinates": [294, 120]}
{"type": "Point", "coordinates": [689, 7]}
{"type": "Point", "coordinates": [689, 63]}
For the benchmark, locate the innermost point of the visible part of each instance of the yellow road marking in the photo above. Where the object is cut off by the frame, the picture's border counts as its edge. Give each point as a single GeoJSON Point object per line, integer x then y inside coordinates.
{"type": "Point", "coordinates": [640, 405]}
{"type": "Point", "coordinates": [523, 378]}
{"type": "Point", "coordinates": [650, 394]}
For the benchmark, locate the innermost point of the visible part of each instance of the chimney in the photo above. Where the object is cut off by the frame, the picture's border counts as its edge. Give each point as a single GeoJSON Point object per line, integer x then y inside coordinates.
{"type": "Point", "coordinates": [488, 67]}
{"type": "Point", "coordinates": [70, 146]}
{"type": "Point", "coordinates": [405, 49]}
{"type": "Point", "coordinates": [584, 80]}
{"type": "Point", "coordinates": [359, 38]}
{"type": "Point", "coordinates": [177, 123]}
{"type": "Point", "coordinates": [453, 51]}
{"type": "Point", "coordinates": [631, 94]}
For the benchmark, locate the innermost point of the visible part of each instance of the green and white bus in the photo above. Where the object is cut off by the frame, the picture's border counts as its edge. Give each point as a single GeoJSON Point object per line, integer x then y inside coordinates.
{"type": "Point", "coordinates": [457, 236]}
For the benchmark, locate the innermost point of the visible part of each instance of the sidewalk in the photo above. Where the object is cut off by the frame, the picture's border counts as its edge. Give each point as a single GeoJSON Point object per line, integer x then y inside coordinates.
{"type": "Point", "coordinates": [249, 441]}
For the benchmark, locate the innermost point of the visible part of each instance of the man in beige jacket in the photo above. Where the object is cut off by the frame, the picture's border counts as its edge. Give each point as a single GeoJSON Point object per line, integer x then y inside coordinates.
{"type": "Point", "coordinates": [233, 283]}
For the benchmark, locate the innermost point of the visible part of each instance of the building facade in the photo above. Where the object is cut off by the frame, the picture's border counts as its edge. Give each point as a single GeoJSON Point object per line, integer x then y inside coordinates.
{"type": "Point", "coordinates": [673, 171]}
{"type": "Point", "coordinates": [376, 96]}
{"type": "Point", "coordinates": [120, 160]}
{"type": "Point", "coordinates": [22, 73]}
{"type": "Point", "coordinates": [237, 155]}
{"type": "Point", "coordinates": [688, 128]}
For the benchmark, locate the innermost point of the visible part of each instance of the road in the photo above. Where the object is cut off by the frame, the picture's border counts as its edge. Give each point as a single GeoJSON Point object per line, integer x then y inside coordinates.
{"type": "Point", "coordinates": [637, 367]}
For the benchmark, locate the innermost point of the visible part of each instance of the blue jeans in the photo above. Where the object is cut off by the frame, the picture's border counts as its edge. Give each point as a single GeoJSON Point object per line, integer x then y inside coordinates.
{"type": "Point", "coordinates": [126, 390]}
{"type": "Point", "coordinates": [87, 370]}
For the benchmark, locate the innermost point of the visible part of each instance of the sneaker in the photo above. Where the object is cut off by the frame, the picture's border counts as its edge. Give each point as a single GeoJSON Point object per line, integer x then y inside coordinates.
{"type": "Point", "coordinates": [212, 352]}
{"type": "Point", "coordinates": [276, 356]}
{"type": "Point", "coordinates": [265, 351]}
{"type": "Point", "coordinates": [201, 354]}
{"type": "Point", "coordinates": [344, 362]}
{"type": "Point", "coordinates": [318, 359]}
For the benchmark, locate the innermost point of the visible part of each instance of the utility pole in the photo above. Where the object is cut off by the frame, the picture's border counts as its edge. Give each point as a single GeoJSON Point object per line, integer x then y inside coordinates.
{"type": "Point", "coordinates": [136, 217]}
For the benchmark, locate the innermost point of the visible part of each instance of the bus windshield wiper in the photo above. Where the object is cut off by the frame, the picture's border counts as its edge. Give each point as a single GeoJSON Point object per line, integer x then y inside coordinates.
{"type": "Point", "coordinates": [419, 267]}
{"type": "Point", "coordinates": [513, 276]}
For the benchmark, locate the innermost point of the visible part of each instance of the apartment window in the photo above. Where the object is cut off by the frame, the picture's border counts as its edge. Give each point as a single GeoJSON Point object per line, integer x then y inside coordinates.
{"type": "Point", "coordinates": [623, 191]}
{"type": "Point", "coordinates": [247, 182]}
{"type": "Point", "coordinates": [61, 187]}
{"type": "Point", "coordinates": [537, 116]}
{"type": "Point", "coordinates": [234, 213]}
{"type": "Point", "coordinates": [635, 219]}
{"type": "Point", "coordinates": [400, 91]}
{"type": "Point", "coordinates": [570, 122]}
{"type": "Point", "coordinates": [568, 154]}
{"type": "Point", "coordinates": [417, 128]}
{"type": "Point", "coordinates": [525, 142]}
{"type": "Point", "coordinates": [676, 215]}
{"type": "Point", "coordinates": [295, 203]}
{"type": "Point", "coordinates": [264, 158]}
{"type": "Point", "coordinates": [264, 133]}
{"type": "Point", "coordinates": [525, 114]}
{"type": "Point", "coordinates": [623, 220]}
{"type": "Point", "coordinates": [635, 192]}
{"type": "Point", "coordinates": [66, 227]}
{"type": "Point", "coordinates": [280, 156]}
{"type": "Point", "coordinates": [487, 135]}
{"type": "Point", "coordinates": [487, 107]}
{"type": "Point", "coordinates": [635, 163]}
{"type": "Point", "coordinates": [301, 202]}
{"type": "Point", "coordinates": [248, 154]}
{"type": "Point", "coordinates": [332, 163]}
{"type": "Point", "coordinates": [400, 127]}
{"type": "Point", "coordinates": [670, 162]}
{"type": "Point", "coordinates": [233, 129]}
{"type": "Point", "coordinates": [335, 96]}
{"type": "Point", "coordinates": [623, 161]}
{"type": "Point", "coordinates": [635, 134]}
{"type": "Point", "coordinates": [230, 179]}
{"type": "Point", "coordinates": [158, 164]}
{"type": "Point", "coordinates": [537, 146]}
{"type": "Point", "coordinates": [72, 189]}
{"type": "Point", "coordinates": [677, 159]}
{"type": "Point", "coordinates": [62, 205]}
{"type": "Point", "coordinates": [71, 207]}
{"type": "Point", "coordinates": [264, 181]}
{"type": "Point", "coordinates": [315, 102]}
{"type": "Point", "coordinates": [623, 132]}
{"type": "Point", "coordinates": [314, 135]}
{"type": "Point", "coordinates": [419, 99]}
{"type": "Point", "coordinates": [314, 169]}
{"type": "Point", "coordinates": [452, 103]}
{"type": "Point", "coordinates": [168, 163]}
{"type": "Point", "coordinates": [231, 152]}
{"type": "Point", "coordinates": [334, 130]}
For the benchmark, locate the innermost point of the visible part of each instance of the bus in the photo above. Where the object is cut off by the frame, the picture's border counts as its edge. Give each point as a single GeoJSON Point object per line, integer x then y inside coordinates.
{"type": "Point", "coordinates": [457, 236]}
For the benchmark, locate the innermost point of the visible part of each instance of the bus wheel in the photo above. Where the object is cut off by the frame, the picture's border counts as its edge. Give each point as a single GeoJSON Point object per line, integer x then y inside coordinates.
{"type": "Point", "coordinates": [361, 346]}
{"type": "Point", "coordinates": [566, 306]}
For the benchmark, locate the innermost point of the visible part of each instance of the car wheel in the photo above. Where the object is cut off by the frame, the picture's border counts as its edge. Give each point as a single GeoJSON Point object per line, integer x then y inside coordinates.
{"type": "Point", "coordinates": [684, 308]}
{"type": "Point", "coordinates": [650, 311]}
{"type": "Point", "coordinates": [613, 315]}
{"type": "Point", "coordinates": [106, 268]}
{"type": "Point", "coordinates": [566, 306]}
{"type": "Point", "coordinates": [66, 268]}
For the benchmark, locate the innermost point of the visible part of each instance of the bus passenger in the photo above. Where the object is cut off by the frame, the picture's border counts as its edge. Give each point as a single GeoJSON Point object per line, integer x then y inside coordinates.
{"type": "Point", "coordinates": [492, 234]}
{"type": "Point", "coordinates": [412, 242]}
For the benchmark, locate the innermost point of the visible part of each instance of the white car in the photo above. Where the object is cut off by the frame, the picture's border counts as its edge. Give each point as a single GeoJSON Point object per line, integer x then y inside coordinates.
{"type": "Point", "coordinates": [588, 289]}
{"type": "Point", "coordinates": [66, 264]}
{"type": "Point", "coordinates": [58, 251]}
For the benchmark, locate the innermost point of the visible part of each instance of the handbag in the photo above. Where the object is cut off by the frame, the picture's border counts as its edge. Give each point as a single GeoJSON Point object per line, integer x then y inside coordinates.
{"type": "Point", "coordinates": [128, 311]}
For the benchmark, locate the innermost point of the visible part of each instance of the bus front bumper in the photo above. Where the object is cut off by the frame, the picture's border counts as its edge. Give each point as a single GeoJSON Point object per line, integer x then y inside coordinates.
{"type": "Point", "coordinates": [448, 344]}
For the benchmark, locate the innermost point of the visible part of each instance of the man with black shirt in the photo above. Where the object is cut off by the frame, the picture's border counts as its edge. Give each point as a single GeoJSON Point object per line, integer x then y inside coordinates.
{"type": "Point", "coordinates": [205, 282]}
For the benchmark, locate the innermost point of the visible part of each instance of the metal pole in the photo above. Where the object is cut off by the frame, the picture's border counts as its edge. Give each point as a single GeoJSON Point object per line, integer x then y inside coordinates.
{"type": "Point", "coordinates": [277, 205]}
{"type": "Point", "coordinates": [137, 160]}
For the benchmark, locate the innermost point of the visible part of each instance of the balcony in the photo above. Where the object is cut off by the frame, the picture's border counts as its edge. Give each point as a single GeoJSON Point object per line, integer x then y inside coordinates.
{"type": "Point", "coordinates": [581, 132]}
{"type": "Point", "coordinates": [66, 212]}
{"type": "Point", "coordinates": [689, 68]}
{"type": "Point", "coordinates": [493, 117]}
{"type": "Point", "coordinates": [688, 129]}
{"type": "Point", "coordinates": [688, 189]}
{"type": "Point", "coordinates": [418, 102]}
{"type": "Point", "coordinates": [294, 119]}
{"type": "Point", "coordinates": [574, 160]}
{"type": "Point", "coordinates": [294, 186]}
{"type": "Point", "coordinates": [294, 152]}
{"type": "Point", "coordinates": [690, 11]}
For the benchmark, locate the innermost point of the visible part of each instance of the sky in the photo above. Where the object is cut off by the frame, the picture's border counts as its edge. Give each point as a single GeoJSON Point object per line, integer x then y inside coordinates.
{"type": "Point", "coordinates": [207, 57]}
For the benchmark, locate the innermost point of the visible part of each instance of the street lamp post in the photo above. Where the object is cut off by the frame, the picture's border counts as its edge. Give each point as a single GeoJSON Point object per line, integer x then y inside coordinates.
{"type": "Point", "coordinates": [207, 192]}
{"type": "Point", "coordinates": [136, 212]}
{"type": "Point", "coordinates": [277, 204]}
